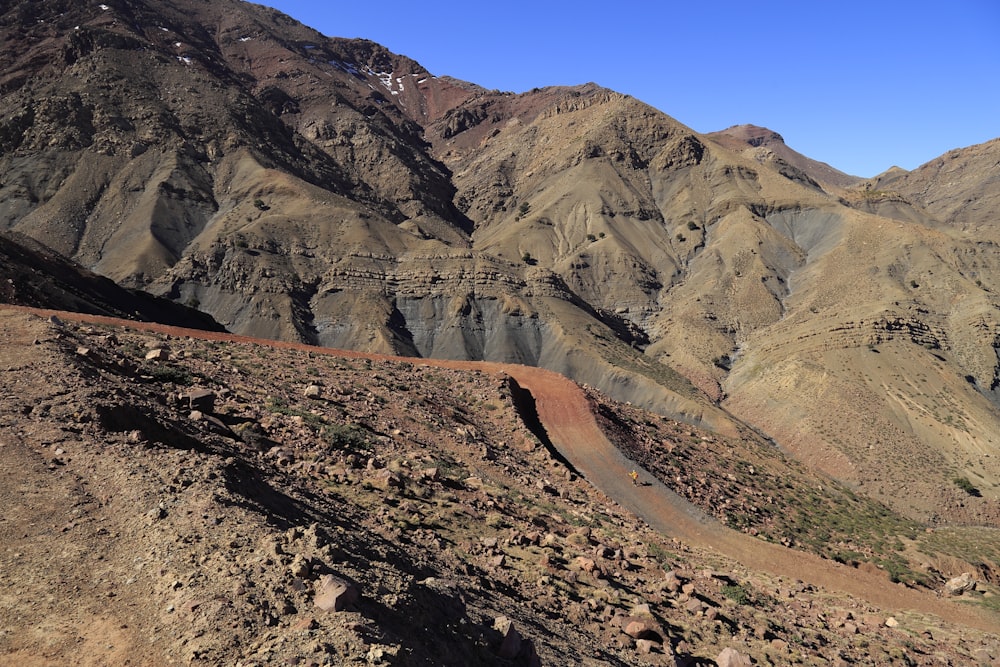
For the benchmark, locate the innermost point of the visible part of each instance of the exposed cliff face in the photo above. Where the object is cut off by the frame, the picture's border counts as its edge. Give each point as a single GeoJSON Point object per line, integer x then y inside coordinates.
{"type": "Point", "coordinates": [329, 191]}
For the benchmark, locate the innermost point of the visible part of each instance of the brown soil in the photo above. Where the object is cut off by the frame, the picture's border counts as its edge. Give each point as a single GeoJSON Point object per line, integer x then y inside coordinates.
{"type": "Point", "coordinates": [566, 415]}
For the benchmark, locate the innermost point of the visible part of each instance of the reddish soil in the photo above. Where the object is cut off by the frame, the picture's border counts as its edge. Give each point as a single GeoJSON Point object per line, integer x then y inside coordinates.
{"type": "Point", "coordinates": [565, 413]}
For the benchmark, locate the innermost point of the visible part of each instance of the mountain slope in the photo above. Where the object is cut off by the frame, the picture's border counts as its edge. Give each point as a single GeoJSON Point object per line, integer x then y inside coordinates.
{"type": "Point", "coordinates": [207, 503]}
{"type": "Point", "coordinates": [33, 275]}
{"type": "Point", "coordinates": [329, 191]}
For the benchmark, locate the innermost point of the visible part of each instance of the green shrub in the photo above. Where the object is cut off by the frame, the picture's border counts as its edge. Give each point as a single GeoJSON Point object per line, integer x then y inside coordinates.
{"type": "Point", "coordinates": [346, 436]}
{"type": "Point", "coordinates": [737, 594]}
{"type": "Point", "coordinates": [168, 374]}
{"type": "Point", "coordinates": [967, 486]}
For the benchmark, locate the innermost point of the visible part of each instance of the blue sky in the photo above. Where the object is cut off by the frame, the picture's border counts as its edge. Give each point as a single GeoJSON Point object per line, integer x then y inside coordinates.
{"type": "Point", "coordinates": [860, 85]}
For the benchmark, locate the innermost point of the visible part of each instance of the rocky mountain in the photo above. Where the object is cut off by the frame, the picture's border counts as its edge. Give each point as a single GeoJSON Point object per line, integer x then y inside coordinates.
{"type": "Point", "coordinates": [326, 191]}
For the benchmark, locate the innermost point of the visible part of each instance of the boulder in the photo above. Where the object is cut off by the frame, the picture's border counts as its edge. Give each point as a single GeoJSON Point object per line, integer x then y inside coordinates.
{"type": "Point", "coordinates": [730, 657]}
{"type": "Point", "coordinates": [511, 641]}
{"type": "Point", "coordinates": [639, 627]}
{"type": "Point", "coordinates": [198, 399]}
{"type": "Point", "coordinates": [335, 593]}
{"type": "Point", "coordinates": [960, 584]}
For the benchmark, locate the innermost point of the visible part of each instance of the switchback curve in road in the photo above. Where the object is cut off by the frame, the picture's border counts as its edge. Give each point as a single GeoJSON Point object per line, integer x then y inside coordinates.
{"type": "Point", "coordinates": [565, 413]}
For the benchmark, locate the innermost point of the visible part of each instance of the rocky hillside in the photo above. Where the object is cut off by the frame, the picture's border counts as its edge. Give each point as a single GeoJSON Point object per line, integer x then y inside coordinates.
{"type": "Point", "coordinates": [33, 275]}
{"type": "Point", "coordinates": [327, 191]}
{"type": "Point", "coordinates": [208, 500]}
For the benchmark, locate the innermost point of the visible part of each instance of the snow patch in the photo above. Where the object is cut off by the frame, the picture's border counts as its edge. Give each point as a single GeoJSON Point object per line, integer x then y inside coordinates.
{"type": "Point", "coordinates": [245, 39]}
{"type": "Point", "coordinates": [104, 7]}
{"type": "Point", "coordinates": [350, 68]}
{"type": "Point", "coordinates": [184, 59]}
{"type": "Point", "coordinates": [385, 78]}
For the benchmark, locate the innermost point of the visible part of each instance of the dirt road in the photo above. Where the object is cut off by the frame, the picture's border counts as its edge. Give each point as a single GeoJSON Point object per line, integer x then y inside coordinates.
{"type": "Point", "coordinates": [565, 413]}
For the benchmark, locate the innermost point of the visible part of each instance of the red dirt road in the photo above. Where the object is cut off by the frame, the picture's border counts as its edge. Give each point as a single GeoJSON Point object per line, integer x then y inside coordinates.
{"type": "Point", "coordinates": [564, 411]}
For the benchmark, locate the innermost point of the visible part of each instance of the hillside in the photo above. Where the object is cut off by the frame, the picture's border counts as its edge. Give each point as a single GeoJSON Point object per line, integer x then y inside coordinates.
{"type": "Point", "coordinates": [843, 335]}
{"type": "Point", "coordinates": [33, 275]}
{"type": "Point", "coordinates": [220, 500]}
{"type": "Point", "coordinates": [768, 147]}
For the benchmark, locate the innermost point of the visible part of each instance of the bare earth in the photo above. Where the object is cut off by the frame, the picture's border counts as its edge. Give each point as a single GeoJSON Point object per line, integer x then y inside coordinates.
{"type": "Point", "coordinates": [565, 414]}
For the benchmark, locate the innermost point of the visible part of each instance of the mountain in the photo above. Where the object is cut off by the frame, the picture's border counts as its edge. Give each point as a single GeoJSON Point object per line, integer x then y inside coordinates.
{"type": "Point", "coordinates": [327, 191]}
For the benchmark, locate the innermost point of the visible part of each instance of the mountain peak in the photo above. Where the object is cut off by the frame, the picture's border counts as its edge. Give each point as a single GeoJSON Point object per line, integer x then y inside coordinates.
{"type": "Point", "coordinates": [768, 147]}
{"type": "Point", "coordinates": [755, 135]}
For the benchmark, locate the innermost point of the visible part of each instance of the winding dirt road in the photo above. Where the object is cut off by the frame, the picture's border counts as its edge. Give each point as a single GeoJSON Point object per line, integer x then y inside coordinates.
{"type": "Point", "coordinates": [564, 412]}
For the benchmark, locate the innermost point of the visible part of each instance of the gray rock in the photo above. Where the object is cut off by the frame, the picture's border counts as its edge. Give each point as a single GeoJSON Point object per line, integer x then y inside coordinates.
{"type": "Point", "coordinates": [198, 399]}
{"type": "Point", "coordinates": [960, 584]}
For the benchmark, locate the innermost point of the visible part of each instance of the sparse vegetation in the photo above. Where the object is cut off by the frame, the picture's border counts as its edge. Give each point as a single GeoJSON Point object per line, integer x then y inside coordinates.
{"type": "Point", "coordinates": [167, 373]}
{"type": "Point", "coordinates": [349, 437]}
{"type": "Point", "coordinates": [965, 485]}
{"type": "Point", "coordinates": [737, 593]}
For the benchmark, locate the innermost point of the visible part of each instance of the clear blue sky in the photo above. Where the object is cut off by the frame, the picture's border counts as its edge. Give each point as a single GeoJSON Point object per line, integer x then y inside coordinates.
{"type": "Point", "coordinates": [860, 85]}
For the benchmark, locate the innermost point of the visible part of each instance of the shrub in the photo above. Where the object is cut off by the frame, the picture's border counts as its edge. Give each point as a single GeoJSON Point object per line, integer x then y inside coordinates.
{"type": "Point", "coordinates": [967, 486]}
{"type": "Point", "coordinates": [168, 374]}
{"type": "Point", "coordinates": [737, 594]}
{"type": "Point", "coordinates": [346, 436]}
